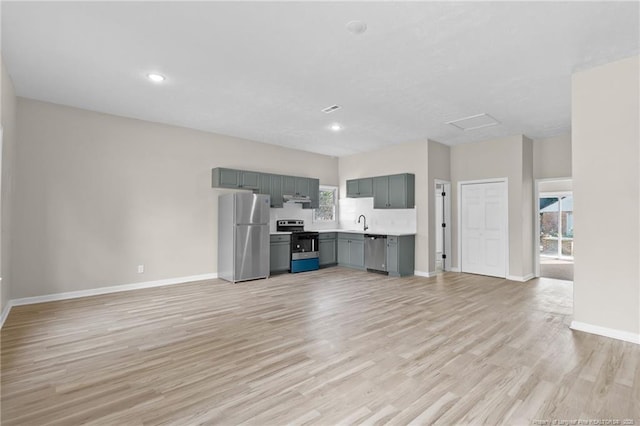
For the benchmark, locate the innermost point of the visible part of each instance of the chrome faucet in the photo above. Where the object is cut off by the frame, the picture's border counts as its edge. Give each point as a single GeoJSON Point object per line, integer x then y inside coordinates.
{"type": "Point", "coordinates": [365, 221]}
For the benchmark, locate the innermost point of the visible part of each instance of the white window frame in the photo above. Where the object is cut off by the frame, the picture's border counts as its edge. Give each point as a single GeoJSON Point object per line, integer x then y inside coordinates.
{"type": "Point", "coordinates": [335, 205]}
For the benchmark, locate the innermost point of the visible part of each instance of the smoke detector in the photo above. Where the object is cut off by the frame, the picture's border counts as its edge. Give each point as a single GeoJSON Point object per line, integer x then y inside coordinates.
{"type": "Point", "coordinates": [356, 27]}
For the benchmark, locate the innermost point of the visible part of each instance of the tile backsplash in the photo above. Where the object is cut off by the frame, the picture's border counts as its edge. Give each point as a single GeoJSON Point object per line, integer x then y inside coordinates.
{"type": "Point", "coordinates": [378, 220]}
{"type": "Point", "coordinates": [295, 211]}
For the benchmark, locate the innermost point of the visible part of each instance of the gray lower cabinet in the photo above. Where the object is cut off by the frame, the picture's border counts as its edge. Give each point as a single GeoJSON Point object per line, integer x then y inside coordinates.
{"type": "Point", "coordinates": [327, 245]}
{"type": "Point", "coordinates": [400, 255]}
{"type": "Point", "coordinates": [351, 250]}
{"type": "Point", "coordinates": [280, 252]}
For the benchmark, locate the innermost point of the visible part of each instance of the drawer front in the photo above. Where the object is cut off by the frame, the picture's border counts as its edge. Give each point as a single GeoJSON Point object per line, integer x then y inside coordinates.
{"type": "Point", "coordinates": [280, 238]}
{"type": "Point", "coordinates": [350, 236]}
{"type": "Point", "coordinates": [327, 235]}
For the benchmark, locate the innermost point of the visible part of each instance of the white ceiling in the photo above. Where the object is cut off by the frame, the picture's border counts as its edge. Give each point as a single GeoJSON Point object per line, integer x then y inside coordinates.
{"type": "Point", "coordinates": [264, 70]}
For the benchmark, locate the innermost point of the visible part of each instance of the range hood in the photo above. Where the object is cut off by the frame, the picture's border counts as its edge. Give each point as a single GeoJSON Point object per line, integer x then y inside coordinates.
{"type": "Point", "coordinates": [302, 199]}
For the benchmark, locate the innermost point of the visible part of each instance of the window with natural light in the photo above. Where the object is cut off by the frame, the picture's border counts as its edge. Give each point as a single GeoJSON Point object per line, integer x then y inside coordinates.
{"type": "Point", "coordinates": [326, 211]}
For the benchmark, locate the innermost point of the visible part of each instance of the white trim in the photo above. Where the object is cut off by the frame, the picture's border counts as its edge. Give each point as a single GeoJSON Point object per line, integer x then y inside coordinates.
{"type": "Point", "coordinates": [448, 247]}
{"type": "Point", "coordinates": [519, 278]}
{"type": "Point", "coordinates": [504, 180]}
{"type": "Point", "coordinates": [455, 269]}
{"type": "Point", "coordinates": [5, 313]}
{"type": "Point", "coordinates": [425, 274]}
{"type": "Point", "coordinates": [606, 332]}
{"type": "Point", "coordinates": [111, 289]}
{"type": "Point", "coordinates": [536, 220]}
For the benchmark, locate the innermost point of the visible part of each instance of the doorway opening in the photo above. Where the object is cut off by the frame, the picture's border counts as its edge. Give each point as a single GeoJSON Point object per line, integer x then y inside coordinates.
{"type": "Point", "coordinates": [555, 230]}
{"type": "Point", "coordinates": [442, 226]}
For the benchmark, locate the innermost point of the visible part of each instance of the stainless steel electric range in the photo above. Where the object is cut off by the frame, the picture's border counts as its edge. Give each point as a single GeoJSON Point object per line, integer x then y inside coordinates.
{"type": "Point", "coordinates": [304, 245]}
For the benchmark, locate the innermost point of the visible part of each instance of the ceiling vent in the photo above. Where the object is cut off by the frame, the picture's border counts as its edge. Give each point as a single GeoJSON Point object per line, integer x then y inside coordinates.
{"type": "Point", "coordinates": [474, 122]}
{"type": "Point", "coordinates": [330, 109]}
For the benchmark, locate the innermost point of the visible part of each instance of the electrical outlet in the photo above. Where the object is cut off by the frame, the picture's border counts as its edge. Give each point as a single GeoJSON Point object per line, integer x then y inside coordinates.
{"type": "Point", "coordinates": [141, 269]}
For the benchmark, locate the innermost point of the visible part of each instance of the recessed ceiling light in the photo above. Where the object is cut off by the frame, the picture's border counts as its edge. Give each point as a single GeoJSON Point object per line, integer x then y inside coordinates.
{"type": "Point", "coordinates": [156, 78]}
{"type": "Point", "coordinates": [336, 127]}
{"type": "Point", "coordinates": [356, 27]}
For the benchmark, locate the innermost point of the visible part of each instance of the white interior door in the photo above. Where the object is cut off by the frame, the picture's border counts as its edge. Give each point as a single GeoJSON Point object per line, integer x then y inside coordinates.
{"type": "Point", "coordinates": [483, 228]}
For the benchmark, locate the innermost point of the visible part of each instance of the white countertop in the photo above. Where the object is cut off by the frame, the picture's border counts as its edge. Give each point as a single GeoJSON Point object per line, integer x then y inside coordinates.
{"type": "Point", "coordinates": [352, 231]}
{"type": "Point", "coordinates": [370, 231]}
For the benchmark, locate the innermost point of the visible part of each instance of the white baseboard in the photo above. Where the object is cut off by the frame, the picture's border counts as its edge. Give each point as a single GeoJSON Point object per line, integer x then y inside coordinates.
{"type": "Point", "coordinates": [5, 313]}
{"type": "Point", "coordinates": [519, 278]}
{"type": "Point", "coordinates": [112, 289]}
{"type": "Point", "coordinates": [454, 269]}
{"type": "Point", "coordinates": [425, 274]}
{"type": "Point", "coordinates": [606, 332]}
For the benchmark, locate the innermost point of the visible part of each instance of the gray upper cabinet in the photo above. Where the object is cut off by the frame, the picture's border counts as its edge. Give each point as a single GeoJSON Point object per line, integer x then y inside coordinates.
{"type": "Point", "coordinates": [357, 188]}
{"type": "Point", "coordinates": [302, 186]}
{"type": "Point", "coordinates": [394, 192]}
{"type": "Point", "coordinates": [265, 183]}
{"type": "Point", "coordinates": [249, 180]}
{"type": "Point", "coordinates": [288, 185]}
{"type": "Point", "coordinates": [276, 191]}
{"type": "Point", "coordinates": [224, 178]}
{"type": "Point", "coordinates": [381, 192]}
{"type": "Point", "coordinates": [231, 178]}
{"type": "Point", "coordinates": [314, 193]}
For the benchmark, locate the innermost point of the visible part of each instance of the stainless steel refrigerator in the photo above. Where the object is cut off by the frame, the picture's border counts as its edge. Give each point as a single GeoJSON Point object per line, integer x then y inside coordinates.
{"type": "Point", "coordinates": [243, 236]}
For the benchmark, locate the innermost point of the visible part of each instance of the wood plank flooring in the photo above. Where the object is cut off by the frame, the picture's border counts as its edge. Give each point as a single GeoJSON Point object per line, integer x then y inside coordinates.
{"type": "Point", "coordinates": [334, 346]}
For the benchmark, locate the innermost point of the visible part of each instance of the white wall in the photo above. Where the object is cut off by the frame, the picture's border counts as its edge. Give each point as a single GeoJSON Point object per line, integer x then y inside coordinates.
{"type": "Point", "coordinates": [500, 158]}
{"type": "Point", "coordinates": [552, 157]}
{"type": "Point", "coordinates": [9, 141]}
{"type": "Point", "coordinates": [605, 127]}
{"type": "Point", "coordinates": [96, 195]}
{"type": "Point", "coordinates": [402, 158]}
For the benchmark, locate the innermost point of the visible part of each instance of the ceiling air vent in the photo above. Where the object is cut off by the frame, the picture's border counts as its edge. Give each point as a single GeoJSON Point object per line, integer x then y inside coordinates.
{"type": "Point", "coordinates": [474, 122]}
{"type": "Point", "coordinates": [330, 109]}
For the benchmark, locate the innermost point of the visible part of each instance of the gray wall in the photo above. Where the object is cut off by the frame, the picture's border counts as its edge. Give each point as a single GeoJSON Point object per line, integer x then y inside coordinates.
{"type": "Point", "coordinates": [552, 157]}
{"type": "Point", "coordinates": [439, 168]}
{"type": "Point", "coordinates": [401, 158]}
{"type": "Point", "coordinates": [500, 158]}
{"type": "Point", "coordinates": [8, 121]}
{"type": "Point", "coordinates": [99, 194]}
{"type": "Point", "coordinates": [606, 191]}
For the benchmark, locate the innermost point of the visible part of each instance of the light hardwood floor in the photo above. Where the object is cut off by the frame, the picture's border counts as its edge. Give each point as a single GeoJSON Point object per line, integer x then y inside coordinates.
{"type": "Point", "coordinates": [325, 347]}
